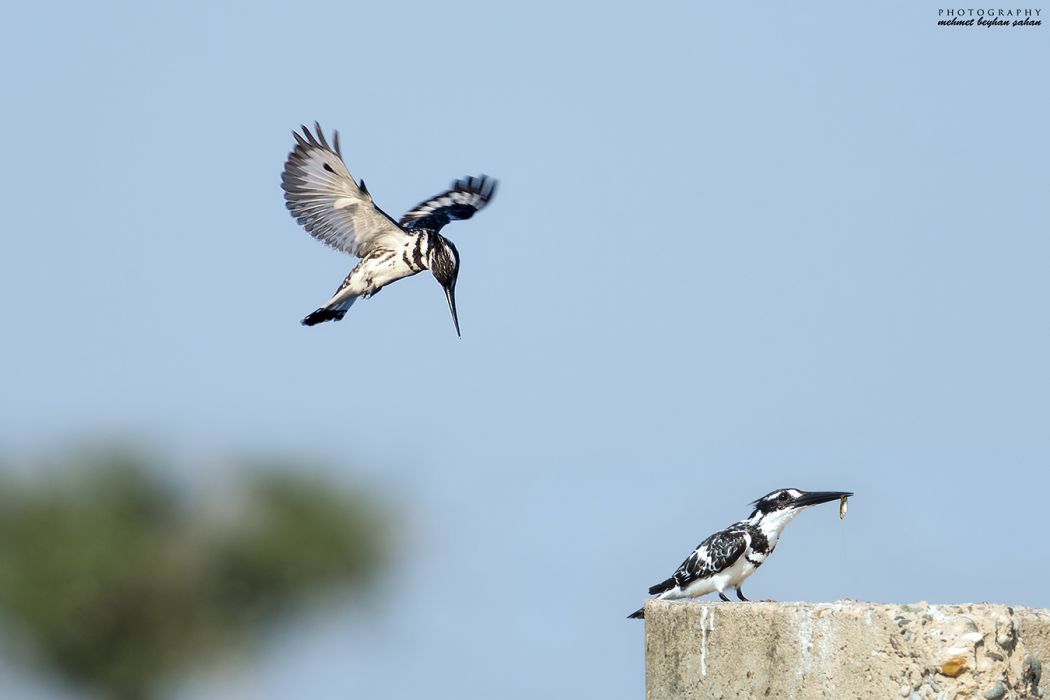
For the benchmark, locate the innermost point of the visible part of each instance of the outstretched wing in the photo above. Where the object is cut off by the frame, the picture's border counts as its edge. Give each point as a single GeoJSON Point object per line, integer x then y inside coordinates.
{"type": "Point", "coordinates": [323, 197]}
{"type": "Point", "coordinates": [466, 197]}
{"type": "Point", "coordinates": [716, 553]}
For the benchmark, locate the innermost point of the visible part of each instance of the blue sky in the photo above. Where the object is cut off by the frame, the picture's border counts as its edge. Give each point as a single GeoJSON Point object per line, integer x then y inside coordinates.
{"type": "Point", "coordinates": [734, 249]}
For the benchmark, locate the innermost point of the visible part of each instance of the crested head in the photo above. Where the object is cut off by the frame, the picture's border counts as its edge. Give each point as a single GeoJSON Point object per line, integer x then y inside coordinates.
{"type": "Point", "coordinates": [778, 508]}
{"type": "Point", "coordinates": [779, 499]}
{"type": "Point", "coordinates": [444, 261]}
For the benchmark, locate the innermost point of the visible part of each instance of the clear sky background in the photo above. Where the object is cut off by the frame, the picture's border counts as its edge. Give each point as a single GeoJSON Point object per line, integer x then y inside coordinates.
{"type": "Point", "coordinates": [735, 248]}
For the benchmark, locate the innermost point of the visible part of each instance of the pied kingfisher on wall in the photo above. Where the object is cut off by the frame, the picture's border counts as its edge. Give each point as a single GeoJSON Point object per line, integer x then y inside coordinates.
{"type": "Point", "coordinates": [725, 559]}
{"type": "Point", "coordinates": [325, 199]}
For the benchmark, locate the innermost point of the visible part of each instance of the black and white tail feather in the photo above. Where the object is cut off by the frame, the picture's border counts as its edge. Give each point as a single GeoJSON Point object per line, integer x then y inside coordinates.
{"type": "Point", "coordinates": [334, 208]}
{"type": "Point", "coordinates": [328, 313]}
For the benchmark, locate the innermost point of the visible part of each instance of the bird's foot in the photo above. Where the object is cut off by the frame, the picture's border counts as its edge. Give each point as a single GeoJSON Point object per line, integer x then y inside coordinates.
{"type": "Point", "coordinates": [723, 597]}
{"type": "Point", "coordinates": [740, 595]}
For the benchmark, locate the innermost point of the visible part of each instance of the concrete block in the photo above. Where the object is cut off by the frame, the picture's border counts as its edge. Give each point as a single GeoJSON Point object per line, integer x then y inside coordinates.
{"type": "Point", "coordinates": [847, 649]}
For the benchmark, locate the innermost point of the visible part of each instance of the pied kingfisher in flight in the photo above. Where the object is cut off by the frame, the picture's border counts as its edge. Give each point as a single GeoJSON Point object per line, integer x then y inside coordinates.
{"type": "Point", "coordinates": [325, 199]}
{"type": "Point", "coordinates": [725, 559]}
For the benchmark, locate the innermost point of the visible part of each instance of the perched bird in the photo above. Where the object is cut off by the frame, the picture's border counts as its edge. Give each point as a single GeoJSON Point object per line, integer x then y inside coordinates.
{"type": "Point", "coordinates": [725, 559]}
{"type": "Point", "coordinates": [325, 199]}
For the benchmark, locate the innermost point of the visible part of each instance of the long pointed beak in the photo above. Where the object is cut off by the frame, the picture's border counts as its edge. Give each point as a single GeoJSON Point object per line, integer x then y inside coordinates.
{"type": "Point", "coordinates": [812, 498]}
{"type": "Point", "coordinates": [450, 294]}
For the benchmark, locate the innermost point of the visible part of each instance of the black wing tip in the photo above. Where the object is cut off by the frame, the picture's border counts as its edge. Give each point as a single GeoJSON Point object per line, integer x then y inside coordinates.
{"type": "Point", "coordinates": [320, 136]}
{"type": "Point", "coordinates": [316, 138]}
{"type": "Point", "coordinates": [481, 185]}
{"type": "Point", "coordinates": [434, 215]}
{"type": "Point", "coordinates": [638, 614]}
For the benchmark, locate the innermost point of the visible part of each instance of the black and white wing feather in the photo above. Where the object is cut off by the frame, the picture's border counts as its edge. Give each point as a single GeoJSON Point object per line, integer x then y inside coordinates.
{"type": "Point", "coordinates": [717, 553]}
{"type": "Point", "coordinates": [324, 198]}
{"type": "Point", "coordinates": [467, 196]}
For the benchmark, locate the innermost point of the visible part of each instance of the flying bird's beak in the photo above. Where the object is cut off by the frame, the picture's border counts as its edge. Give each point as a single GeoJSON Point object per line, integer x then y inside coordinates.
{"type": "Point", "coordinates": [812, 498]}
{"type": "Point", "coordinates": [450, 294]}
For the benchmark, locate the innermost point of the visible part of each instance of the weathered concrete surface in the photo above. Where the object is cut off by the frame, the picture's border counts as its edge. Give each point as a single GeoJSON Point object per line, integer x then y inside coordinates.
{"type": "Point", "coordinates": [705, 651]}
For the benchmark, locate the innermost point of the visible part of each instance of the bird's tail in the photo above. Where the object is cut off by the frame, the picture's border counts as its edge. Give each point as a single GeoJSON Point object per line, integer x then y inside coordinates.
{"type": "Point", "coordinates": [663, 586]}
{"type": "Point", "coordinates": [656, 590]}
{"type": "Point", "coordinates": [332, 312]}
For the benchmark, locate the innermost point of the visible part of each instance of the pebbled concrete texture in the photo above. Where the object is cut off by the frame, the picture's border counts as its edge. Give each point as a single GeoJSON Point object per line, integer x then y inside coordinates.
{"type": "Point", "coordinates": [847, 649]}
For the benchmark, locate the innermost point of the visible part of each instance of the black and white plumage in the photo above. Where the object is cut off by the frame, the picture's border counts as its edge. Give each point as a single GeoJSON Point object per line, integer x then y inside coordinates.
{"type": "Point", "coordinates": [725, 559]}
{"type": "Point", "coordinates": [325, 199]}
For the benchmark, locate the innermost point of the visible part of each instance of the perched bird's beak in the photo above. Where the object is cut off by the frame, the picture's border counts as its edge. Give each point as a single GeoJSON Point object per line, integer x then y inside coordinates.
{"type": "Point", "coordinates": [450, 294]}
{"type": "Point", "coordinates": [812, 498]}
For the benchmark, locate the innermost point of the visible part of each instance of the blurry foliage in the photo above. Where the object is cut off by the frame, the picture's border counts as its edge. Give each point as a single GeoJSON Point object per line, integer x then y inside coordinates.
{"type": "Point", "coordinates": [117, 580]}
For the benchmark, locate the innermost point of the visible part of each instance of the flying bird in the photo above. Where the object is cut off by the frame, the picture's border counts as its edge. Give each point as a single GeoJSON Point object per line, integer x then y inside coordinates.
{"type": "Point", "coordinates": [725, 559]}
{"type": "Point", "coordinates": [335, 209]}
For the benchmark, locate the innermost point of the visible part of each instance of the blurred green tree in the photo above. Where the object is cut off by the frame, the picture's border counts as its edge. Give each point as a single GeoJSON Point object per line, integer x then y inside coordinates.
{"type": "Point", "coordinates": [117, 580]}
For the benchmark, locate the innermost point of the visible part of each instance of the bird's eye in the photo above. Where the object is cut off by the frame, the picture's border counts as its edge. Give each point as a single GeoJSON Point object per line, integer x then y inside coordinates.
{"type": "Point", "coordinates": [783, 496]}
